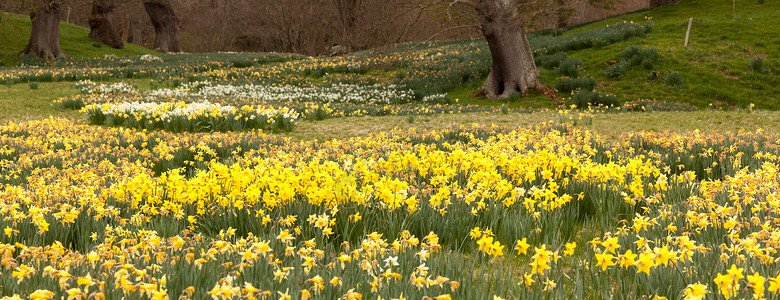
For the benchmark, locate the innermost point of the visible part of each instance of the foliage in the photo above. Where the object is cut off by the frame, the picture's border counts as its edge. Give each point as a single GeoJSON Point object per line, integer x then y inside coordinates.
{"type": "Point", "coordinates": [571, 67]}
{"type": "Point", "coordinates": [674, 80]}
{"type": "Point", "coordinates": [552, 196]}
{"type": "Point", "coordinates": [550, 61]}
{"type": "Point", "coordinates": [593, 38]}
{"type": "Point", "coordinates": [585, 98]}
{"type": "Point", "coordinates": [566, 85]}
{"type": "Point", "coordinates": [757, 65]}
{"type": "Point", "coordinates": [632, 57]}
{"type": "Point", "coordinates": [653, 105]}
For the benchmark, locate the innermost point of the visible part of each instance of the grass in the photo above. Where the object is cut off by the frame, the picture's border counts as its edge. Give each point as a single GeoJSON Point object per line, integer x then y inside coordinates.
{"type": "Point", "coordinates": [74, 41]}
{"type": "Point", "coordinates": [610, 125]}
{"type": "Point", "coordinates": [20, 103]}
{"type": "Point", "coordinates": [716, 64]}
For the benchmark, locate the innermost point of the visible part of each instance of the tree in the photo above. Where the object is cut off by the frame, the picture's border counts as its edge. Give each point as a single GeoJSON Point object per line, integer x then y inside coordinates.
{"type": "Point", "coordinates": [100, 26]}
{"type": "Point", "coordinates": [166, 25]}
{"type": "Point", "coordinates": [45, 35]}
{"type": "Point", "coordinates": [504, 23]}
{"type": "Point", "coordinates": [513, 68]}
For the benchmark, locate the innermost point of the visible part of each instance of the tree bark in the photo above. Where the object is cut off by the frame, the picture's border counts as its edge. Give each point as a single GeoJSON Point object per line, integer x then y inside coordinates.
{"type": "Point", "coordinates": [100, 25]}
{"type": "Point", "coordinates": [166, 25]}
{"type": "Point", "coordinates": [45, 35]}
{"type": "Point", "coordinates": [513, 68]}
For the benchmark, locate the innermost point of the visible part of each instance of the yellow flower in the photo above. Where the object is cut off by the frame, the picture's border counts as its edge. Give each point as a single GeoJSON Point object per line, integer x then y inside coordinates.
{"type": "Point", "coordinates": [604, 260]}
{"type": "Point", "coordinates": [774, 284]}
{"type": "Point", "coordinates": [285, 295]}
{"type": "Point", "coordinates": [475, 233]}
{"type": "Point", "coordinates": [611, 244]}
{"type": "Point", "coordinates": [725, 282]}
{"type": "Point", "coordinates": [528, 279]}
{"type": "Point", "coordinates": [756, 281]}
{"type": "Point", "coordinates": [570, 247]}
{"type": "Point", "coordinates": [645, 262]}
{"type": "Point", "coordinates": [522, 246]}
{"type": "Point", "coordinates": [695, 291]}
{"type": "Point", "coordinates": [628, 259]}
{"type": "Point", "coordinates": [41, 295]}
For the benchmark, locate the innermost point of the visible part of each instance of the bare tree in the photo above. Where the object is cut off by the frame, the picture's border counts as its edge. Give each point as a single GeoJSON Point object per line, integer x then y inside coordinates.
{"type": "Point", "coordinates": [45, 35]}
{"type": "Point", "coordinates": [166, 24]}
{"type": "Point", "coordinates": [100, 25]}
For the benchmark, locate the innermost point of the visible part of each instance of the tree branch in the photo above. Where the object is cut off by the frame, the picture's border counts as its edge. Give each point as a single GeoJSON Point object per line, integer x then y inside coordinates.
{"type": "Point", "coordinates": [469, 3]}
{"type": "Point", "coordinates": [445, 30]}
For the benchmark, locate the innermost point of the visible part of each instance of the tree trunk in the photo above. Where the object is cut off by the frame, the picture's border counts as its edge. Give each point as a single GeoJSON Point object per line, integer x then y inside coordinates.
{"type": "Point", "coordinates": [100, 25]}
{"type": "Point", "coordinates": [166, 25]}
{"type": "Point", "coordinates": [347, 10]}
{"type": "Point", "coordinates": [45, 34]}
{"type": "Point", "coordinates": [513, 68]}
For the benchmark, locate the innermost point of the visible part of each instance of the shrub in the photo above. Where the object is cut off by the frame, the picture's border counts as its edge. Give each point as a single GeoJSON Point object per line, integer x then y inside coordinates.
{"type": "Point", "coordinates": [33, 85]}
{"type": "Point", "coordinates": [757, 65]}
{"type": "Point", "coordinates": [571, 67]}
{"type": "Point", "coordinates": [584, 99]}
{"type": "Point", "coordinates": [550, 61]}
{"type": "Point", "coordinates": [617, 70]}
{"type": "Point", "coordinates": [640, 57]}
{"type": "Point", "coordinates": [515, 96]}
{"type": "Point", "coordinates": [675, 80]}
{"type": "Point", "coordinates": [566, 85]}
{"type": "Point", "coordinates": [632, 57]}
{"type": "Point", "coordinates": [240, 63]}
{"type": "Point", "coordinates": [594, 38]}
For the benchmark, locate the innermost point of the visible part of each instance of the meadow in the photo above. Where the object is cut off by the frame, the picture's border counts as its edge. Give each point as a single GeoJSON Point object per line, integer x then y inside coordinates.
{"type": "Point", "coordinates": [377, 175]}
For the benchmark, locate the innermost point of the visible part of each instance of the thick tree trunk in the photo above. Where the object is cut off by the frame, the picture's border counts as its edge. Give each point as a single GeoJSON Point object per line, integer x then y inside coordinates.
{"type": "Point", "coordinates": [100, 25]}
{"type": "Point", "coordinates": [513, 68]}
{"type": "Point", "coordinates": [45, 34]}
{"type": "Point", "coordinates": [166, 25]}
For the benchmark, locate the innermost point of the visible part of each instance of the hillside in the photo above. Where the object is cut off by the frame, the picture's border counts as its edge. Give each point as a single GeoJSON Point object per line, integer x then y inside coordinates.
{"type": "Point", "coordinates": [730, 63]}
{"type": "Point", "coordinates": [716, 66]}
{"type": "Point", "coordinates": [74, 40]}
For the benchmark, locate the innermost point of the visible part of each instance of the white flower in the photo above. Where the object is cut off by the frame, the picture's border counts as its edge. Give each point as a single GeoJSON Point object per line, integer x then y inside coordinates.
{"type": "Point", "coordinates": [391, 261]}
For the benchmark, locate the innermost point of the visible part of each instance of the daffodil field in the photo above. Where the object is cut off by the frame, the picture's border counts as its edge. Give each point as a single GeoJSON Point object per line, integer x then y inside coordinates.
{"type": "Point", "coordinates": [472, 212]}
{"type": "Point", "coordinates": [180, 183]}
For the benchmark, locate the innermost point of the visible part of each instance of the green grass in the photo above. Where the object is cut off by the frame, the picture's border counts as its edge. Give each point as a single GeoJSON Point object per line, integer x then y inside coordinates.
{"type": "Point", "coordinates": [20, 103]}
{"type": "Point", "coordinates": [715, 65]}
{"type": "Point", "coordinates": [74, 41]}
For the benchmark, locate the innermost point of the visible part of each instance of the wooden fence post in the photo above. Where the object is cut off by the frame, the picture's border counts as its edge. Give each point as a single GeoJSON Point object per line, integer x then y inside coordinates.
{"type": "Point", "coordinates": [688, 33]}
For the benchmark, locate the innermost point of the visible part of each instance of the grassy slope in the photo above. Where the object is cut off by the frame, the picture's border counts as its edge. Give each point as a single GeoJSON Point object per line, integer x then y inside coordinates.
{"type": "Point", "coordinates": [715, 66]}
{"type": "Point", "coordinates": [74, 40]}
